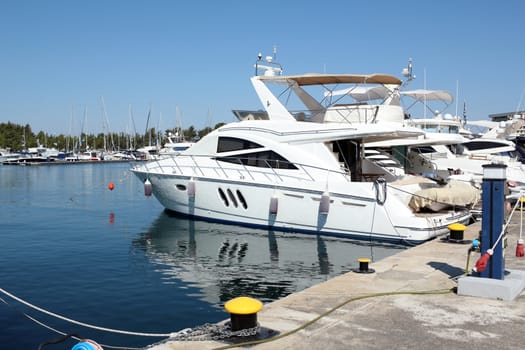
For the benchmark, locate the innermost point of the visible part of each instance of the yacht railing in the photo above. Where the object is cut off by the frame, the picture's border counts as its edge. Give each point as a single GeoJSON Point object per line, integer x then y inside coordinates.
{"type": "Point", "coordinates": [398, 155]}
{"type": "Point", "coordinates": [346, 113]}
{"type": "Point", "coordinates": [428, 158]}
{"type": "Point", "coordinates": [235, 167]}
{"type": "Point", "coordinates": [434, 155]}
{"type": "Point", "coordinates": [355, 113]}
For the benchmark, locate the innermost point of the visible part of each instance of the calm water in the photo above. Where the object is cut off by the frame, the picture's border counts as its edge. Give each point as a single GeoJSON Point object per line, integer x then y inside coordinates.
{"type": "Point", "coordinates": [116, 259]}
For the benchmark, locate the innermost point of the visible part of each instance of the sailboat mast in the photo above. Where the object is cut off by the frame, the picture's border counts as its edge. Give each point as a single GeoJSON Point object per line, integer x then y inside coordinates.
{"type": "Point", "coordinates": [147, 126]}
{"type": "Point", "coordinates": [457, 92]}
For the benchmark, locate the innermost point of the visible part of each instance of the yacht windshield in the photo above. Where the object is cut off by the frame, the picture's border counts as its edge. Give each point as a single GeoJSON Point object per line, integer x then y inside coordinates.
{"type": "Point", "coordinates": [229, 144]}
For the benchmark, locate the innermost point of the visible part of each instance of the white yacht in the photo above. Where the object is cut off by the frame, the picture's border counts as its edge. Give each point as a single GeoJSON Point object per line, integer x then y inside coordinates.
{"type": "Point", "coordinates": [465, 159]}
{"type": "Point", "coordinates": [175, 144]}
{"type": "Point", "coordinates": [33, 155]}
{"type": "Point", "coordinates": [305, 170]}
{"type": "Point", "coordinates": [296, 176]}
{"type": "Point", "coordinates": [8, 156]}
{"type": "Point", "coordinates": [440, 126]}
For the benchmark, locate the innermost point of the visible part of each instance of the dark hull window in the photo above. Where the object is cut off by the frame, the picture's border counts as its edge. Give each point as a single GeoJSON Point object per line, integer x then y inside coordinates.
{"type": "Point", "coordinates": [242, 200]}
{"type": "Point", "coordinates": [223, 197]}
{"type": "Point", "coordinates": [232, 198]}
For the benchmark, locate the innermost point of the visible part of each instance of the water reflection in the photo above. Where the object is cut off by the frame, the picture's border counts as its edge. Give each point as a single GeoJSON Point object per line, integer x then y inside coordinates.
{"type": "Point", "coordinates": [225, 261]}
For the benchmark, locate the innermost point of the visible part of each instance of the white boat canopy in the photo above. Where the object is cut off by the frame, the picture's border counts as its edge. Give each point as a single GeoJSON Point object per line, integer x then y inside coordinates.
{"type": "Point", "coordinates": [366, 93]}
{"type": "Point", "coordinates": [429, 95]}
{"type": "Point", "coordinates": [362, 93]}
{"type": "Point", "coordinates": [484, 123]}
{"type": "Point", "coordinates": [327, 79]}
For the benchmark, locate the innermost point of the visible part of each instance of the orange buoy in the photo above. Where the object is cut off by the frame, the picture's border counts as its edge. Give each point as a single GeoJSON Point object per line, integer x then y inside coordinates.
{"type": "Point", "coordinates": [111, 186]}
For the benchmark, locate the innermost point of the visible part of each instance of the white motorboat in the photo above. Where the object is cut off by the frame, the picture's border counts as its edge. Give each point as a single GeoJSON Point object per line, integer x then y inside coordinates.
{"type": "Point", "coordinates": [175, 144]}
{"type": "Point", "coordinates": [7, 156]}
{"type": "Point", "coordinates": [418, 155]}
{"type": "Point", "coordinates": [440, 126]}
{"type": "Point", "coordinates": [465, 160]}
{"type": "Point", "coordinates": [296, 176]}
{"type": "Point", "coordinates": [33, 155]}
{"type": "Point", "coordinates": [457, 152]}
{"type": "Point", "coordinates": [87, 155]}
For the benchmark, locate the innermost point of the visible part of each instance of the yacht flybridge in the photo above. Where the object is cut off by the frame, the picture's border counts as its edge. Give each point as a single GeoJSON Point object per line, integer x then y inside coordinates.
{"type": "Point", "coordinates": [296, 176]}
{"type": "Point", "coordinates": [333, 107]}
{"type": "Point", "coordinates": [375, 99]}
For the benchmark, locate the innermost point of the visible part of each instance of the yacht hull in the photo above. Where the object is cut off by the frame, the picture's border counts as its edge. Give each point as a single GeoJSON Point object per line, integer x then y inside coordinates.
{"type": "Point", "coordinates": [351, 210]}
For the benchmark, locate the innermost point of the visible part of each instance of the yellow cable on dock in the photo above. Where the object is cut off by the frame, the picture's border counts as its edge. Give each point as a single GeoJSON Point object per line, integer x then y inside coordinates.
{"type": "Point", "coordinates": [366, 296]}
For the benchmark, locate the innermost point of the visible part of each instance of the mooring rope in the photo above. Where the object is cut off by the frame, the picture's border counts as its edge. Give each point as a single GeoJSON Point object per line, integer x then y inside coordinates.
{"type": "Point", "coordinates": [81, 323]}
{"type": "Point", "coordinates": [504, 227]}
{"type": "Point", "coordinates": [76, 336]}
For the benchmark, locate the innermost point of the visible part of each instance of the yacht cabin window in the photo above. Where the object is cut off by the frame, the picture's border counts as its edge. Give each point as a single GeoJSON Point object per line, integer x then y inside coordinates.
{"type": "Point", "coordinates": [441, 129]}
{"type": "Point", "coordinates": [228, 144]}
{"type": "Point", "coordinates": [424, 149]}
{"type": "Point", "coordinates": [264, 159]}
{"type": "Point", "coordinates": [482, 145]}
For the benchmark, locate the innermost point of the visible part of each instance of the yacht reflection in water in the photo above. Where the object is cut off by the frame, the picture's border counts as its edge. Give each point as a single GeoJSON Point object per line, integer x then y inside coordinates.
{"type": "Point", "coordinates": [218, 262]}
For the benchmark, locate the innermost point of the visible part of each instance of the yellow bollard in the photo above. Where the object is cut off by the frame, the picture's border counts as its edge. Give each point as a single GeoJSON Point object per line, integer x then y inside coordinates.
{"type": "Point", "coordinates": [243, 312]}
{"type": "Point", "coordinates": [363, 266]}
{"type": "Point", "coordinates": [456, 231]}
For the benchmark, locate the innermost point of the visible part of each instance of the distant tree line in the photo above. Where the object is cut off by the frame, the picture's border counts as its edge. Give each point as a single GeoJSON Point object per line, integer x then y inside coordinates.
{"type": "Point", "coordinates": [16, 137]}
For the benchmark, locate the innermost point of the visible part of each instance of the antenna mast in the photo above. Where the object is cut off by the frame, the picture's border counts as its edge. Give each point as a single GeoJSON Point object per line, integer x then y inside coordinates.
{"type": "Point", "coordinates": [271, 68]}
{"type": "Point", "coordinates": [407, 73]}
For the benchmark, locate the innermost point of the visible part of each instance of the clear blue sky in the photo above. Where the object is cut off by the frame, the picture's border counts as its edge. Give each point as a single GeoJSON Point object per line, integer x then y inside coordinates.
{"type": "Point", "coordinates": [60, 57]}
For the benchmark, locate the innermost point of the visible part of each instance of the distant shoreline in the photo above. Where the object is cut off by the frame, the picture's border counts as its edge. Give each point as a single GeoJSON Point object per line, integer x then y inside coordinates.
{"type": "Point", "coordinates": [64, 162]}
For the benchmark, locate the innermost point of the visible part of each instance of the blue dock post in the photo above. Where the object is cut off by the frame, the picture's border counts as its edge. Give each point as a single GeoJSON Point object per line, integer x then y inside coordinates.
{"type": "Point", "coordinates": [493, 213]}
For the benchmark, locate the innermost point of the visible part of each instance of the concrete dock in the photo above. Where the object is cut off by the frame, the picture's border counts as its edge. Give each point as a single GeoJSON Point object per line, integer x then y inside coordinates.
{"type": "Point", "coordinates": [410, 302]}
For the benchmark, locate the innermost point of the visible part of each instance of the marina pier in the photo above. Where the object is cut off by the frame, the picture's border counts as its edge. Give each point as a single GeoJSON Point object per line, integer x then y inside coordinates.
{"type": "Point", "coordinates": [410, 302]}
